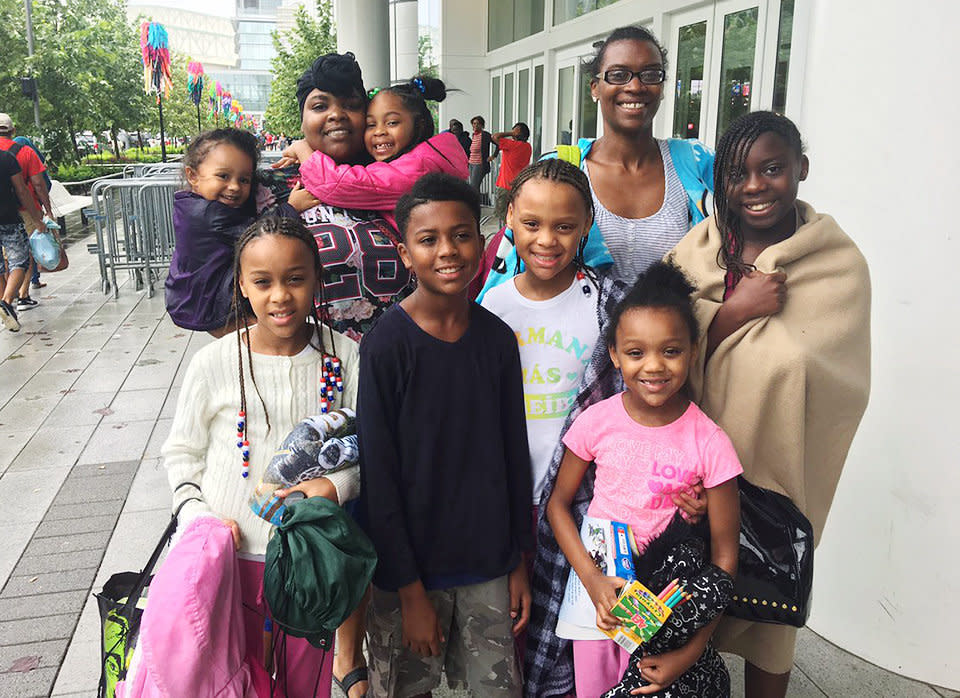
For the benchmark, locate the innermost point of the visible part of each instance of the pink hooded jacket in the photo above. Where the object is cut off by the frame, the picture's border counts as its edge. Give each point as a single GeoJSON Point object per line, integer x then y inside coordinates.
{"type": "Point", "coordinates": [379, 185]}
{"type": "Point", "coordinates": [191, 634]}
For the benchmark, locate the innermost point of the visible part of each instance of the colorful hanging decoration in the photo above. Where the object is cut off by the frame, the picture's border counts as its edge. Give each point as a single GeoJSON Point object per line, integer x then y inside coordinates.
{"type": "Point", "coordinates": [195, 86]}
{"type": "Point", "coordinates": [195, 81]}
{"type": "Point", "coordinates": [155, 50]}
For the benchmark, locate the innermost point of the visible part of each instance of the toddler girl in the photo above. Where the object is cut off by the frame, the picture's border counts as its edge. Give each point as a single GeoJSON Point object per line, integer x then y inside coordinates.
{"type": "Point", "coordinates": [400, 138]}
{"type": "Point", "coordinates": [281, 361]}
{"type": "Point", "coordinates": [222, 200]}
{"type": "Point", "coordinates": [636, 449]}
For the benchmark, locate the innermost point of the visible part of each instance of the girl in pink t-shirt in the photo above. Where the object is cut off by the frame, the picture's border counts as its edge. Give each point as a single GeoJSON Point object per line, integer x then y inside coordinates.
{"type": "Point", "coordinates": [648, 443]}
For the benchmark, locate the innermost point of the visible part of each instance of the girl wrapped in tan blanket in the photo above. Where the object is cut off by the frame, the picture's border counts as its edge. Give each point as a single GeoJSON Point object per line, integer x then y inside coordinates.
{"type": "Point", "coordinates": [786, 367]}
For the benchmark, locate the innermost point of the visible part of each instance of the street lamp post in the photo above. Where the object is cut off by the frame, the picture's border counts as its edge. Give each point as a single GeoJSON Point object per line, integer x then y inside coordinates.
{"type": "Point", "coordinates": [36, 99]}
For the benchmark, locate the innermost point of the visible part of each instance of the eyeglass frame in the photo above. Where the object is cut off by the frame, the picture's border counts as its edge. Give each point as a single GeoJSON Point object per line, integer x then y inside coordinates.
{"type": "Point", "coordinates": [633, 74]}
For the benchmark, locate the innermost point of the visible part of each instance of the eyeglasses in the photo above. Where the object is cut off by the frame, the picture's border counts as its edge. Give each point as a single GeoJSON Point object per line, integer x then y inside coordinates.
{"type": "Point", "coordinates": [621, 76]}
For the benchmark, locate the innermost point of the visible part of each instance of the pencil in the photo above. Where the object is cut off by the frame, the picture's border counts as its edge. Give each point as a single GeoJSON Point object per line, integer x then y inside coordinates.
{"type": "Point", "coordinates": [668, 590]}
{"type": "Point", "coordinates": [674, 598]}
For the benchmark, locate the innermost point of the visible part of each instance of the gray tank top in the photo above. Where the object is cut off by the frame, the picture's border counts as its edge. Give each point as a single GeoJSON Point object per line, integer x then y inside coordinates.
{"type": "Point", "coordinates": [636, 243]}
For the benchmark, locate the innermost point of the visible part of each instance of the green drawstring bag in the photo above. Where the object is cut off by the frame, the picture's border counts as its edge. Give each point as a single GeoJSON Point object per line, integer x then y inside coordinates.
{"type": "Point", "coordinates": [318, 567]}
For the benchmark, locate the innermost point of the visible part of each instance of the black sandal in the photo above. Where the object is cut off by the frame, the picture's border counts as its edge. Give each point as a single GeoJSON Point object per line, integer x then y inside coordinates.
{"type": "Point", "coordinates": [352, 679]}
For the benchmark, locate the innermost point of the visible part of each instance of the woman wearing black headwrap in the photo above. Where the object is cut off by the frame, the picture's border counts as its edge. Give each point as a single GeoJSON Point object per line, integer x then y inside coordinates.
{"type": "Point", "coordinates": [362, 271]}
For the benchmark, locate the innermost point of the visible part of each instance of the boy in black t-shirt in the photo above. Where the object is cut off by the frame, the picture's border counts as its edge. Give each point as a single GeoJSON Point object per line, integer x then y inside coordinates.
{"type": "Point", "coordinates": [444, 465]}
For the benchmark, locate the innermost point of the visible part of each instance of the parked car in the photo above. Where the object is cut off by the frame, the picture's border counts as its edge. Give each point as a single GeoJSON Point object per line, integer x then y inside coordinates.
{"type": "Point", "coordinates": [87, 143]}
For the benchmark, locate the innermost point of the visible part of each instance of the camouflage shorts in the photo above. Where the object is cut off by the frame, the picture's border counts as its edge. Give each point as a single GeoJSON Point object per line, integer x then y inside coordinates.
{"type": "Point", "coordinates": [478, 652]}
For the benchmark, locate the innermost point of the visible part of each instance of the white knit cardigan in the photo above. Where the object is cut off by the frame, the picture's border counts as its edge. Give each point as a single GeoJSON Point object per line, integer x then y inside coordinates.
{"type": "Point", "coordinates": [202, 445]}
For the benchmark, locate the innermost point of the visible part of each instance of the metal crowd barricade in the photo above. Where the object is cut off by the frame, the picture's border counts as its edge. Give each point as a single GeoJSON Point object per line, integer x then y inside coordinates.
{"type": "Point", "coordinates": [133, 218]}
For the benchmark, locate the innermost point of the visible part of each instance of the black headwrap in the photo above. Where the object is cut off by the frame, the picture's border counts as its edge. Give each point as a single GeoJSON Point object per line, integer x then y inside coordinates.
{"type": "Point", "coordinates": [336, 73]}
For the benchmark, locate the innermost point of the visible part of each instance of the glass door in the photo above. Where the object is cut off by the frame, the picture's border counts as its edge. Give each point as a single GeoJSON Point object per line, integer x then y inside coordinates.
{"type": "Point", "coordinates": [576, 110]}
{"type": "Point", "coordinates": [690, 44]}
{"type": "Point", "coordinates": [718, 71]}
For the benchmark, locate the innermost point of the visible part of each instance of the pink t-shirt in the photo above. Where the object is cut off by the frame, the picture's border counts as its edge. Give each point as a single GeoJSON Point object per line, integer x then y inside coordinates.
{"type": "Point", "coordinates": [639, 467]}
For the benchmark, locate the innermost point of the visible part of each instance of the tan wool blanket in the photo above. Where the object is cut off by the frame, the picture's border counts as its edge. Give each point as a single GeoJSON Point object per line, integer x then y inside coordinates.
{"type": "Point", "coordinates": [789, 389]}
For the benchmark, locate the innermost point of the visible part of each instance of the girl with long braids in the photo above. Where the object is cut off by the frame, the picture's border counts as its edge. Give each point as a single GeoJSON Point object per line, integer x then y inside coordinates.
{"type": "Point", "coordinates": [784, 296]}
{"type": "Point", "coordinates": [241, 396]}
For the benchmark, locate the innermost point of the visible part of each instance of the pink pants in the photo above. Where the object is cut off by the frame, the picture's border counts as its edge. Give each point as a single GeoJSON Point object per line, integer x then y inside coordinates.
{"type": "Point", "coordinates": [598, 666]}
{"type": "Point", "coordinates": [298, 674]}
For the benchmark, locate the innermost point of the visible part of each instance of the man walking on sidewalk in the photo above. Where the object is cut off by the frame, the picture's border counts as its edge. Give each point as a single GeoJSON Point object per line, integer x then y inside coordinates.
{"type": "Point", "coordinates": [33, 171]}
{"type": "Point", "coordinates": [13, 236]}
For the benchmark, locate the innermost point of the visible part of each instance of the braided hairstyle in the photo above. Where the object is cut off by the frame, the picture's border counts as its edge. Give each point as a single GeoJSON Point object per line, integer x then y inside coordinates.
{"type": "Point", "coordinates": [263, 227]}
{"type": "Point", "coordinates": [561, 172]}
{"type": "Point", "coordinates": [732, 152]}
{"type": "Point", "coordinates": [628, 33]}
{"type": "Point", "coordinates": [662, 285]}
{"type": "Point", "coordinates": [414, 94]}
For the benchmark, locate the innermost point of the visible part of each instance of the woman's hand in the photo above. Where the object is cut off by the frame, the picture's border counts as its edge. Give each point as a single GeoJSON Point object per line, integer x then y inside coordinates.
{"type": "Point", "coordinates": [317, 487]}
{"type": "Point", "coordinates": [421, 628]}
{"type": "Point", "coordinates": [692, 503]}
{"type": "Point", "coordinates": [235, 531]}
{"type": "Point", "coordinates": [760, 294]}
{"type": "Point", "coordinates": [661, 670]}
{"type": "Point", "coordinates": [520, 598]}
{"type": "Point", "coordinates": [301, 199]}
{"type": "Point", "coordinates": [604, 592]}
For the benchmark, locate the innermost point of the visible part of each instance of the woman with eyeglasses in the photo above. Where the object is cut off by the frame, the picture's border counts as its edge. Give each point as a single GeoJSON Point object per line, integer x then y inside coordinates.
{"type": "Point", "coordinates": [647, 192]}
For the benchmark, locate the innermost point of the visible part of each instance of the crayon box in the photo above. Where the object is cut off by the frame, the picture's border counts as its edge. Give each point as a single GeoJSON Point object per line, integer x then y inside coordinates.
{"type": "Point", "coordinates": [641, 615]}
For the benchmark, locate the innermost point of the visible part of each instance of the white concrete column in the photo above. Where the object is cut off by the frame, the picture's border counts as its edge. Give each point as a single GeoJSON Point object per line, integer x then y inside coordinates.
{"type": "Point", "coordinates": [363, 27]}
{"type": "Point", "coordinates": [405, 44]}
{"type": "Point", "coordinates": [462, 51]}
{"type": "Point", "coordinates": [887, 584]}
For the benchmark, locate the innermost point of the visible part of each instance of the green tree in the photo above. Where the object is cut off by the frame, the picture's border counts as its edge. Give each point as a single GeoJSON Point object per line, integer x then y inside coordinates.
{"type": "Point", "coordinates": [13, 56]}
{"type": "Point", "coordinates": [427, 66]}
{"type": "Point", "coordinates": [296, 51]}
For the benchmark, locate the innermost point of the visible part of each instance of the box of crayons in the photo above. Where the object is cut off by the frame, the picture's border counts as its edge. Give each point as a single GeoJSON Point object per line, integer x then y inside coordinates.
{"type": "Point", "coordinates": [642, 613]}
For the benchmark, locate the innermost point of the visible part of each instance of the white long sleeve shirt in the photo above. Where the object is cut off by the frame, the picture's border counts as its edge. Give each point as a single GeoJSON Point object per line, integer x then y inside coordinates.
{"type": "Point", "coordinates": [202, 445]}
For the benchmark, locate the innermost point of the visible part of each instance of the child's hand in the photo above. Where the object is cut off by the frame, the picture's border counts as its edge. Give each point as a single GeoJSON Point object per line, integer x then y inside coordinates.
{"type": "Point", "coordinates": [421, 628]}
{"type": "Point", "coordinates": [759, 294]}
{"type": "Point", "coordinates": [661, 670]}
{"type": "Point", "coordinates": [235, 531]}
{"type": "Point", "coordinates": [520, 598]}
{"type": "Point", "coordinates": [317, 487]}
{"type": "Point", "coordinates": [692, 504]}
{"type": "Point", "coordinates": [604, 592]}
{"type": "Point", "coordinates": [301, 199]}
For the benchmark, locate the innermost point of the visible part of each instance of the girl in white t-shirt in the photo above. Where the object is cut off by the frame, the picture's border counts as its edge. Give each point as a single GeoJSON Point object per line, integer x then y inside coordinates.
{"type": "Point", "coordinates": [551, 304]}
{"type": "Point", "coordinates": [645, 445]}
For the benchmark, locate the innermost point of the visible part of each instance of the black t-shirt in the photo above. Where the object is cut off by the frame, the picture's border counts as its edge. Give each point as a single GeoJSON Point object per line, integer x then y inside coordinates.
{"type": "Point", "coordinates": [9, 203]}
{"type": "Point", "coordinates": [444, 463]}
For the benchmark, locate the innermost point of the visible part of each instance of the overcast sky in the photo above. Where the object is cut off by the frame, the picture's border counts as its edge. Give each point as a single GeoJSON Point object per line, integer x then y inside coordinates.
{"type": "Point", "coordinates": [223, 8]}
{"type": "Point", "coordinates": [428, 9]}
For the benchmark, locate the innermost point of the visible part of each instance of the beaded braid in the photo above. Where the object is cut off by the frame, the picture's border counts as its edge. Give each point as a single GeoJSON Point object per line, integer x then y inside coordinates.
{"type": "Point", "coordinates": [562, 172]}
{"type": "Point", "coordinates": [732, 151]}
{"type": "Point", "coordinates": [286, 227]}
